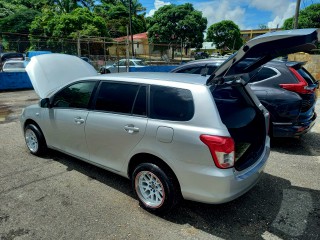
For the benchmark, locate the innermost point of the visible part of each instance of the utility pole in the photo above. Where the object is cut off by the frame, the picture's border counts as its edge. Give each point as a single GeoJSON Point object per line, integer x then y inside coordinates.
{"type": "Point", "coordinates": [130, 26]}
{"type": "Point", "coordinates": [296, 16]}
{"type": "Point", "coordinates": [78, 45]}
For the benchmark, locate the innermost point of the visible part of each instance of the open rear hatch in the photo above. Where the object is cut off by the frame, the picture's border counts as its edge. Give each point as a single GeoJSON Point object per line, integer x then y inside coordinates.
{"type": "Point", "coordinates": [240, 110]}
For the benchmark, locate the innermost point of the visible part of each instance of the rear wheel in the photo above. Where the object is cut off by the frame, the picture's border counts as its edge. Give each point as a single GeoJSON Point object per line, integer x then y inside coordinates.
{"type": "Point", "coordinates": [35, 140]}
{"type": "Point", "coordinates": [156, 190]}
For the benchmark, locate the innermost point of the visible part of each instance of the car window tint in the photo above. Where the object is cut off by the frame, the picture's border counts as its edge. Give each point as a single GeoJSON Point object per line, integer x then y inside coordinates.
{"type": "Point", "coordinates": [264, 73]}
{"type": "Point", "coordinates": [74, 96]}
{"type": "Point", "coordinates": [190, 70]}
{"type": "Point", "coordinates": [131, 63]}
{"type": "Point", "coordinates": [211, 69]}
{"type": "Point", "coordinates": [169, 103]}
{"type": "Point", "coordinates": [116, 97]}
{"type": "Point", "coordinates": [140, 104]}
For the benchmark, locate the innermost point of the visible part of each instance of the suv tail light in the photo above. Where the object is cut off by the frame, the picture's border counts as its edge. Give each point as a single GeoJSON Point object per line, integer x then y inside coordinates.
{"type": "Point", "coordinates": [221, 148]}
{"type": "Point", "coordinates": [300, 87]}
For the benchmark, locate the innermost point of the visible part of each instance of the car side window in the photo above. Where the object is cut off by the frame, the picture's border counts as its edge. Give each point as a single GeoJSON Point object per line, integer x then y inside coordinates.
{"type": "Point", "coordinates": [121, 98]}
{"type": "Point", "coordinates": [140, 104]}
{"type": "Point", "coordinates": [264, 73]}
{"type": "Point", "coordinates": [74, 96]}
{"type": "Point", "coordinates": [122, 63]}
{"type": "Point", "coordinates": [168, 103]}
{"type": "Point", "coordinates": [191, 70]}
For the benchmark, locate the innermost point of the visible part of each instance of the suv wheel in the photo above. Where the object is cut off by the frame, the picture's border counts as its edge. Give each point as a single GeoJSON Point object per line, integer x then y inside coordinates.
{"type": "Point", "coordinates": [35, 140]}
{"type": "Point", "coordinates": [155, 189]}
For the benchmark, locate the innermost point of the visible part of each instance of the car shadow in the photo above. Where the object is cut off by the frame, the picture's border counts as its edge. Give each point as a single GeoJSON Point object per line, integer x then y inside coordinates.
{"type": "Point", "coordinates": [307, 145]}
{"type": "Point", "coordinates": [273, 208]}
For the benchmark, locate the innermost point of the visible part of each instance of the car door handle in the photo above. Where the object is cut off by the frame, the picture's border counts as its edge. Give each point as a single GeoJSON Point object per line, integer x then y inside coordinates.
{"type": "Point", "coordinates": [78, 120]}
{"type": "Point", "coordinates": [130, 128]}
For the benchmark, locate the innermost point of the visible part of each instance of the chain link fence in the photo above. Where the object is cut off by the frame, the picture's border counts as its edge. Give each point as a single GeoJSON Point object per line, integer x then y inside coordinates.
{"type": "Point", "coordinates": [99, 51]}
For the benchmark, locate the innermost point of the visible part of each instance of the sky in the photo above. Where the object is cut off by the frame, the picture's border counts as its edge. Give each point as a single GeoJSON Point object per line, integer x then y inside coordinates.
{"type": "Point", "coordinates": [247, 14]}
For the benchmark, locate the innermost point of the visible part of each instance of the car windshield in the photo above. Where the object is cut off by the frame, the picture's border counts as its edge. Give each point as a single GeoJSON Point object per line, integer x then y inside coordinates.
{"type": "Point", "coordinates": [14, 65]}
{"type": "Point", "coordinates": [140, 63]}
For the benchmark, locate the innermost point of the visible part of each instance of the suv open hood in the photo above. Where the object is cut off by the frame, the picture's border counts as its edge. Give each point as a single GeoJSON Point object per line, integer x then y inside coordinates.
{"type": "Point", "coordinates": [264, 48]}
{"type": "Point", "coordinates": [49, 72]}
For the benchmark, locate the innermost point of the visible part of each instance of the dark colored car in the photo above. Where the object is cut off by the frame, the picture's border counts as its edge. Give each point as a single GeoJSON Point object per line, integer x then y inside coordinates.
{"type": "Point", "coordinates": [286, 89]}
{"type": "Point", "coordinates": [10, 56]}
{"type": "Point", "coordinates": [201, 55]}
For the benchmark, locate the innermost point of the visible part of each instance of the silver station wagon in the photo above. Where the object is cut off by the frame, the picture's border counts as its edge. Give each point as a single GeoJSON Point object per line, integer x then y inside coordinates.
{"type": "Point", "coordinates": [175, 136]}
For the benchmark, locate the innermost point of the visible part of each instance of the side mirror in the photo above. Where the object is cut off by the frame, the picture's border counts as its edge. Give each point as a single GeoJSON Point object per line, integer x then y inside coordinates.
{"type": "Point", "coordinates": [45, 103]}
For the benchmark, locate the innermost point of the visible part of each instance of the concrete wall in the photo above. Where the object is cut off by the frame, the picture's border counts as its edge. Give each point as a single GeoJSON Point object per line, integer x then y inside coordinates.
{"type": "Point", "coordinates": [14, 80]}
{"type": "Point", "coordinates": [312, 65]}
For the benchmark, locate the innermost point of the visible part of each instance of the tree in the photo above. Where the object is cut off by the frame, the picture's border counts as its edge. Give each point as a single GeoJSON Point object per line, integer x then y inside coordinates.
{"type": "Point", "coordinates": [81, 22]}
{"type": "Point", "coordinates": [15, 29]}
{"type": "Point", "coordinates": [117, 17]}
{"type": "Point", "coordinates": [308, 18]}
{"type": "Point", "coordinates": [225, 34]}
{"type": "Point", "coordinates": [176, 24]}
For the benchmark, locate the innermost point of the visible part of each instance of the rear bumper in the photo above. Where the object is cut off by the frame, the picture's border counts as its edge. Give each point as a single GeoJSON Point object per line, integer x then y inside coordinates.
{"type": "Point", "coordinates": [293, 129]}
{"type": "Point", "coordinates": [222, 186]}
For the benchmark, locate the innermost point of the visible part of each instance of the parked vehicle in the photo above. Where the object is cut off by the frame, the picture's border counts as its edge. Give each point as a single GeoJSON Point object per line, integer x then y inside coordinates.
{"type": "Point", "coordinates": [286, 89]}
{"type": "Point", "coordinates": [201, 55]}
{"type": "Point", "coordinates": [121, 66]}
{"type": "Point", "coordinates": [14, 66]}
{"type": "Point", "coordinates": [175, 136]}
{"type": "Point", "coordinates": [11, 56]}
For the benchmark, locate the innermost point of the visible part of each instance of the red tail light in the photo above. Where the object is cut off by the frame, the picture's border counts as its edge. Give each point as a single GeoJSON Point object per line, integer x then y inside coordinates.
{"type": "Point", "coordinates": [300, 87]}
{"type": "Point", "coordinates": [221, 148]}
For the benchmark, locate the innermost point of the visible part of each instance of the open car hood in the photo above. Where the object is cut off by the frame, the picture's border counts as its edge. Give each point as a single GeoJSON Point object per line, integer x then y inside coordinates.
{"type": "Point", "coordinates": [49, 72]}
{"type": "Point", "coordinates": [264, 48]}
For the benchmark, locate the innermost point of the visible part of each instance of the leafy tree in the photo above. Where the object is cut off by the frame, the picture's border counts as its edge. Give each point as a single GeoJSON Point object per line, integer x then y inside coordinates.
{"type": "Point", "coordinates": [117, 17]}
{"type": "Point", "coordinates": [308, 18]}
{"type": "Point", "coordinates": [177, 24]}
{"type": "Point", "coordinates": [17, 24]}
{"type": "Point", "coordinates": [56, 27]}
{"type": "Point", "coordinates": [225, 34]}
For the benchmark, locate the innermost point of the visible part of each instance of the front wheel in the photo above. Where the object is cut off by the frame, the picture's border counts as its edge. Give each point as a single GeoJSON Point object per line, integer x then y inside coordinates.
{"type": "Point", "coordinates": [35, 140]}
{"type": "Point", "coordinates": [156, 190]}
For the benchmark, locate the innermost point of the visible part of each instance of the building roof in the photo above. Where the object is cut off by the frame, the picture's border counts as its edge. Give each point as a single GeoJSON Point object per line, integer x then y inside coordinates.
{"type": "Point", "coordinates": [138, 36]}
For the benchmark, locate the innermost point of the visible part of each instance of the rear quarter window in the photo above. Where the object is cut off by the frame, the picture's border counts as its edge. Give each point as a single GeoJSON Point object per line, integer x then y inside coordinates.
{"type": "Point", "coordinates": [168, 103]}
{"type": "Point", "coordinates": [263, 74]}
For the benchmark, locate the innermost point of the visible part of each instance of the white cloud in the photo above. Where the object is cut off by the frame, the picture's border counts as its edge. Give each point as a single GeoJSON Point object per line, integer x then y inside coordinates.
{"type": "Point", "coordinates": [279, 19]}
{"type": "Point", "coordinates": [280, 9]}
{"type": "Point", "coordinates": [157, 4]}
{"type": "Point", "coordinates": [216, 11]}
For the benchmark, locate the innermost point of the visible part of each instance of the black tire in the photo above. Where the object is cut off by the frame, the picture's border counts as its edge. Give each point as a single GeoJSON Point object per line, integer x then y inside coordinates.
{"type": "Point", "coordinates": [35, 140]}
{"type": "Point", "coordinates": [163, 190]}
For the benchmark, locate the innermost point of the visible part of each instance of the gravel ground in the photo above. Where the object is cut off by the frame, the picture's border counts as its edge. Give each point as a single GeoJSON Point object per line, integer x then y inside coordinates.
{"type": "Point", "coordinates": [59, 197]}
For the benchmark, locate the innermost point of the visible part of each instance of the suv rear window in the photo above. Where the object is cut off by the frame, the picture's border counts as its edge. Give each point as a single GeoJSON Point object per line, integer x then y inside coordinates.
{"type": "Point", "coordinates": [306, 75]}
{"type": "Point", "coordinates": [264, 73]}
{"type": "Point", "coordinates": [168, 103]}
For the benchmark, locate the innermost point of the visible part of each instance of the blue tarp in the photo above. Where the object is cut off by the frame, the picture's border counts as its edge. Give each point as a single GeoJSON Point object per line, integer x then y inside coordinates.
{"type": "Point", "coordinates": [14, 80]}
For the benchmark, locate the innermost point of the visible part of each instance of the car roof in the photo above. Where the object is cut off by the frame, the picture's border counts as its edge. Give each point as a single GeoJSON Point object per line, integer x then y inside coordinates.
{"type": "Point", "coordinates": [145, 77]}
